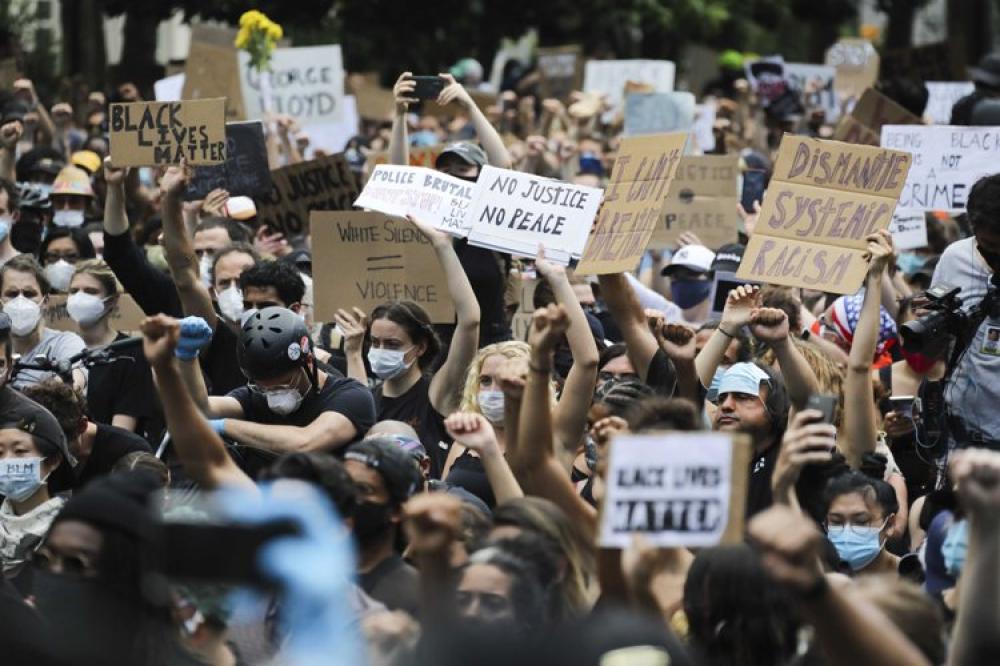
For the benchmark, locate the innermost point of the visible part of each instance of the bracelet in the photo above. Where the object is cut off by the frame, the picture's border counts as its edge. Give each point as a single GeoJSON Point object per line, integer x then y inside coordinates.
{"type": "Point", "coordinates": [541, 371]}
{"type": "Point", "coordinates": [725, 332]}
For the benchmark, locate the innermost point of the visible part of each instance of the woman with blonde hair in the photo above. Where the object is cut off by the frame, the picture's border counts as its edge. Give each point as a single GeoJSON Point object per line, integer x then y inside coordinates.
{"type": "Point", "coordinates": [119, 393]}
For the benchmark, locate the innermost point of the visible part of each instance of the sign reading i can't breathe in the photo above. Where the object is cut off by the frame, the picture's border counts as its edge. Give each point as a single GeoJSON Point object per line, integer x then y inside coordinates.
{"type": "Point", "coordinates": [676, 489]}
{"type": "Point", "coordinates": [156, 133]}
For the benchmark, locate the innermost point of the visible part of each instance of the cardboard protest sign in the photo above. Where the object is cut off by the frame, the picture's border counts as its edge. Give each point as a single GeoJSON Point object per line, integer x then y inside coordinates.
{"type": "Point", "coordinates": [370, 258]}
{"type": "Point", "coordinates": [657, 113]}
{"type": "Point", "coordinates": [245, 171]}
{"type": "Point", "coordinates": [863, 124]}
{"type": "Point", "coordinates": [374, 102]}
{"type": "Point", "coordinates": [213, 70]}
{"type": "Point", "coordinates": [608, 77]}
{"type": "Point", "coordinates": [326, 183]}
{"type": "Point", "coordinates": [702, 199]}
{"type": "Point", "coordinates": [702, 131]}
{"type": "Point", "coordinates": [942, 95]}
{"type": "Point", "coordinates": [633, 203]}
{"type": "Point", "coordinates": [419, 157]}
{"type": "Point", "coordinates": [947, 162]}
{"type": "Point", "coordinates": [857, 65]}
{"type": "Point", "coordinates": [127, 315]}
{"type": "Point", "coordinates": [428, 195]}
{"type": "Point", "coordinates": [306, 82]}
{"type": "Point", "coordinates": [560, 71]}
{"type": "Point", "coordinates": [930, 62]}
{"type": "Point", "coordinates": [675, 489]}
{"type": "Point", "coordinates": [515, 212]}
{"type": "Point", "coordinates": [157, 133]}
{"type": "Point", "coordinates": [520, 323]}
{"type": "Point", "coordinates": [824, 199]}
{"type": "Point", "coordinates": [909, 229]}
{"type": "Point", "coordinates": [818, 80]}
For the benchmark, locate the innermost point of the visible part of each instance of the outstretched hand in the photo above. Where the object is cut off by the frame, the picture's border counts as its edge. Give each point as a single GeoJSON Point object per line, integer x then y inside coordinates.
{"type": "Point", "coordinates": [511, 377]}
{"type": "Point", "coordinates": [769, 324]}
{"type": "Point", "coordinates": [175, 180]}
{"type": "Point", "coordinates": [160, 334]}
{"type": "Point", "coordinates": [750, 218]}
{"type": "Point", "coordinates": [881, 252]}
{"type": "Point", "coordinates": [472, 431]}
{"type": "Point", "coordinates": [353, 325]}
{"type": "Point", "coordinates": [454, 92]}
{"type": "Point", "coordinates": [548, 325]}
{"type": "Point", "coordinates": [114, 175]}
{"type": "Point", "coordinates": [433, 521]}
{"type": "Point", "coordinates": [740, 304]}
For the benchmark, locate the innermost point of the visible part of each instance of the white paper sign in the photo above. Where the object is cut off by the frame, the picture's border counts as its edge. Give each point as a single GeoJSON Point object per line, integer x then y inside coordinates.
{"type": "Point", "coordinates": [909, 229]}
{"type": "Point", "coordinates": [658, 113]}
{"type": "Point", "coordinates": [673, 488]}
{"type": "Point", "coordinates": [947, 162]}
{"type": "Point", "coordinates": [428, 195]}
{"type": "Point", "coordinates": [332, 137]}
{"type": "Point", "coordinates": [169, 89]}
{"type": "Point", "coordinates": [306, 82]}
{"type": "Point", "coordinates": [608, 77]}
{"type": "Point", "coordinates": [942, 95]}
{"type": "Point", "coordinates": [806, 75]}
{"type": "Point", "coordinates": [515, 212]}
{"type": "Point", "coordinates": [703, 128]}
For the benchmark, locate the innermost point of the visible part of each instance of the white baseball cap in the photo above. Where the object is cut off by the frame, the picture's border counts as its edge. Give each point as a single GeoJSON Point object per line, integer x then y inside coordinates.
{"type": "Point", "coordinates": [696, 258]}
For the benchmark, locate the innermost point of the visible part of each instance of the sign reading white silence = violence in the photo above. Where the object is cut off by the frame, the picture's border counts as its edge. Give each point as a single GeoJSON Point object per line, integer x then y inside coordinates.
{"type": "Point", "coordinates": [515, 212]}
{"type": "Point", "coordinates": [947, 162]}
{"type": "Point", "coordinates": [428, 195]}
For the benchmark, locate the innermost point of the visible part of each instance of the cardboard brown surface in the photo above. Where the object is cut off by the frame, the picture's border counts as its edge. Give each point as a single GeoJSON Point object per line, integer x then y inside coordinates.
{"type": "Point", "coordinates": [740, 482]}
{"type": "Point", "coordinates": [370, 259]}
{"type": "Point", "coordinates": [702, 199]}
{"type": "Point", "coordinates": [864, 123]}
{"type": "Point", "coordinates": [421, 157]}
{"type": "Point", "coordinates": [157, 133]}
{"type": "Point", "coordinates": [633, 203]}
{"type": "Point", "coordinates": [374, 102]}
{"type": "Point", "coordinates": [212, 70]}
{"type": "Point", "coordinates": [560, 71]}
{"type": "Point", "coordinates": [127, 315]}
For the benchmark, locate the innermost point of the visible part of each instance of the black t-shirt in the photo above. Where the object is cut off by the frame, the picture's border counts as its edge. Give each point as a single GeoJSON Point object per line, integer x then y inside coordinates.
{"type": "Point", "coordinates": [414, 407]}
{"type": "Point", "coordinates": [759, 495]}
{"type": "Point", "coordinates": [219, 362]}
{"type": "Point", "coordinates": [467, 472]}
{"type": "Point", "coordinates": [124, 387]}
{"type": "Point", "coordinates": [489, 282]}
{"type": "Point", "coordinates": [339, 394]}
{"type": "Point", "coordinates": [395, 583]}
{"type": "Point", "coordinates": [111, 444]}
{"type": "Point", "coordinates": [661, 376]}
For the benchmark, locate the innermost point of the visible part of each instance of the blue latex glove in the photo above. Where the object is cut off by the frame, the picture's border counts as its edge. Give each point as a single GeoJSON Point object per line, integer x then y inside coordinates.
{"type": "Point", "coordinates": [218, 425]}
{"type": "Point", "coordinates": [195, 335]}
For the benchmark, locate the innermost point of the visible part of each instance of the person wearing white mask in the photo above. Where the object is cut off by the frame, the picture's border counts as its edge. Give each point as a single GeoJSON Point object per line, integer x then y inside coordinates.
{"type": "Point", "coordinates": [24, 292]}
{"type": "Point", "coordinates": [71, 194]}
{"type": "Point", "coordinates": [59, 253]}
{"type": "Point", "coordinates": [8, 216]}
{"type": "Point", "coordinates": [404, 347]}
{"type": "Point", "coordinates": [119, 394]}
{"type": "Point", "coordinates": [212, 235]}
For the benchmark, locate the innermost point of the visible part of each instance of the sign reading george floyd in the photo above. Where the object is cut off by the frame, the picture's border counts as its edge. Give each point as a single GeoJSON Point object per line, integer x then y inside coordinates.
{"type": "Point", "coordinates": [515, 212]}
{"type": "Point", "coordinates": [157, 133]}
{"type": "Point", "coordinates": [371, 258]}
{"type": "Point", "coordinates": [245, 172]}
{"type": "Point", "coordinates": [325, 183]}
{"type": "Point", "coordinates": [676, 489]}
{"type": "Point", "coordinates": [306, 82]}
{"type": "Point", "coordinates": [633, 203]}
{"type": "Point", "coordinates": [428, 195]}
{"type": "Point", "coordinates": [702, 199]}
{"type": "Point", "coordinates": [824, 199]}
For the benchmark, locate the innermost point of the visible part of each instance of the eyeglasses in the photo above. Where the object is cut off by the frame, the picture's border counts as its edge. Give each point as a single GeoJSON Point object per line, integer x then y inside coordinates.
{"type": "Point", "coordinates": [68, 257]}
{"type": "Point", "coordinates": [264, 390]}
{"type": "Point", "coordinates": [857, 529]}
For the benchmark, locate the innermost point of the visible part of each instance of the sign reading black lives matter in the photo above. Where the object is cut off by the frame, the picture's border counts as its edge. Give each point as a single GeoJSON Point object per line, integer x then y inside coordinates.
{"type": "Point", "coordinates": [245, 171]}
{"type": "Point", "coordinates": [325, 183]}
{"type": "Point", "coordinates": [158, 133]}
{"type": "Point", "coordinates": [676, 489]}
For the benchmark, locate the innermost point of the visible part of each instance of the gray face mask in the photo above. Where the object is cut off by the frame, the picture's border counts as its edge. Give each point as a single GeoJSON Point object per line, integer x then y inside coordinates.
{"type": "Point", "coordinates": [284, 401]}
{"type": "Point", "coordinates": [491, 405]}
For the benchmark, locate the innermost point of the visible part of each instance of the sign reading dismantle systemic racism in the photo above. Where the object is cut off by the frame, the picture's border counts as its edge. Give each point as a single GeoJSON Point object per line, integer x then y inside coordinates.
{"type": "Point", "coordinates": [325, 183]}
{"type": "Point", "coordinates": [825, 198]}
{"type": "Point", "coordinates": [370, 258]}
{"type": "Point", "coordinates": [157, 133]}
{"type": "Point", "coordinates": [633, 203]}
{"type": "Point", "coordinates": [428, 195]}
{"type": "Point", "coordinates": [676, 489]}
{"type": "Point", "coordinates": [702, 199]}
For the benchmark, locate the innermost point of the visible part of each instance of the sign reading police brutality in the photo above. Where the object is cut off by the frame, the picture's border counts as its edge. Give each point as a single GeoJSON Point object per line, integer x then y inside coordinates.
{"type": "Point", "coordinates": [326, 183]}
{"type": "Point", "coordinates": [702, 199]}
{"type": "Point", "coordinates": [155, 133]}
{"type": "Point", "coordinates": [515, 212]}
{"type": "Point", "coordinates": [633, 203]}
{"type": "Point", "coordinates": [947, 162]}
{"type": "Point", "coordinates": [245, 172]}
{"type": "Point", "coordinates": [428, 195]}
{"type": "Point", "coordinates": [675, 489]}
{"type": "Point", "coordinates": [370, 258]}
{"type": "Point", "coordinates": [824, 199]}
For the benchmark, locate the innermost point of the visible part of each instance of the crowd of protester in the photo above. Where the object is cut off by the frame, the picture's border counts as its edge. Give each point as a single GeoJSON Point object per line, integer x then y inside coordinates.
{"type": "Point", "coordinates": [401, 492]}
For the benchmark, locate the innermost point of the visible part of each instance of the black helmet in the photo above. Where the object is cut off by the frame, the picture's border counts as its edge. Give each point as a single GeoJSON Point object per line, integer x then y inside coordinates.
{"type": "Point", "coordinates": [272, 342]}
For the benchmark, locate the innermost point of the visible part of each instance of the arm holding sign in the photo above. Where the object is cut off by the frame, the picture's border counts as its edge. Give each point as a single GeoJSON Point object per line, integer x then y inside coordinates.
{"type": "Point", "coordinates": [399, 143]}
{"type": "Point", "coordinates": [496, 151]}
{"type": "Point", "coordinates": [859, 423]}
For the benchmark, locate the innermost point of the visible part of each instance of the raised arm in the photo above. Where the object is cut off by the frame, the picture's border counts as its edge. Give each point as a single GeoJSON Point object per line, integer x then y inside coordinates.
{"type": "Point", "coordinates": [631, 319]}
{"type": "Point", "coordinates": [115, 217]}
{"type": "Point", "coordinates": [740, 304]}
{"type": "Point", "coordinates": [352, 325]}
{"type": "Point", "coordinates": [475, 433]}
{"type": "Point", "coordinates": [179, 251]}
{"type": "Point", "coordinates": [201, 450]}
{"type": "Point", "coordinates": [770, 325]}
{"type": "Point", "coordinates": [399, 142]}
{"type": "Point", "coordinates": [570, 417]}
{"type": "Point", "coordinates": [496, 151]}
{"type": "Point", "coordinates": [859, 423]}
{"type": "Point", "coordinates": [10, 134]}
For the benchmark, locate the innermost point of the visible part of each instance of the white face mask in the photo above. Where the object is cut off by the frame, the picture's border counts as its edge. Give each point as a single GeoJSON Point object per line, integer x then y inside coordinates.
{"type": "Point", "coordinates": [205, 269]}
{"type": "Point", "coordinates": [59, 274]}
{"type": "Point", "coordinates": [68, 218]}
{"type": "Point", "coordinates": [24, 314]}
{"type": "Point", "coordinates": [388, 363]}
{"type": "Point", "coordinates": [231, 303]}
{"type": "Point", "coordinates": [85, 309]}
{"type": "Point", "coordinates": [283, 401]}
{"type": "Point", "coordinates": [491, 405]}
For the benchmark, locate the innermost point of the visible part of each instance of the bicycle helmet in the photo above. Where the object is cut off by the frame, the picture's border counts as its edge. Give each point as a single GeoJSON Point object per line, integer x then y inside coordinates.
{"type": "Point", "coordinates": [33, 195]}
{"type": "Point", "coordinates": [272, 342]}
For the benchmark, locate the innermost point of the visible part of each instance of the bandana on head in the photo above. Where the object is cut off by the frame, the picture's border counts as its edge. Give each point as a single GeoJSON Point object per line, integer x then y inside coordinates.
{"type": "Point", "coordinates": [847, 312]}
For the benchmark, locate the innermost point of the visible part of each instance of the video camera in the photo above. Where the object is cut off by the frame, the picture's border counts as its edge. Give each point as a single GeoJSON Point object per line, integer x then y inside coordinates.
{"type": "Point", "coordinates": [947, 320]}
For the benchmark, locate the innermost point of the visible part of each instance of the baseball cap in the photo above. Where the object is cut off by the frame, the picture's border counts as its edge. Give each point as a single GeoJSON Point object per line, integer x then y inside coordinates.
{"type": "Point", "coordinates": [696, 258]}
{"type": "Point", "coordinates": [728, 258]}
{"type": "Point", "coordinates": [468, 152]}
{"type": "Point", "coordinates": [397, 467]}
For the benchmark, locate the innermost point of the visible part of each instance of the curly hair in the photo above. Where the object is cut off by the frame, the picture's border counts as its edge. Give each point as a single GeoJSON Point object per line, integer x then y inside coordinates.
{"type": "Point", "coordinates": [507, 349]}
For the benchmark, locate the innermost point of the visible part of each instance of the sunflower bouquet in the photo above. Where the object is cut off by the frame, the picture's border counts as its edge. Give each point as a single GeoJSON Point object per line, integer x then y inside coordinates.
{"type": "Point", "coordinates": [258, 36]}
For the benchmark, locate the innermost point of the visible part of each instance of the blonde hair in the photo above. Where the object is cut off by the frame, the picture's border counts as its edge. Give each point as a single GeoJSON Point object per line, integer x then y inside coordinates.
{"type": "Point", "coordinates": [829, 375]}
{"type": "Point", "coordinates": [102, 273]}
{"type": "Point", "coordinates": [508, 349]}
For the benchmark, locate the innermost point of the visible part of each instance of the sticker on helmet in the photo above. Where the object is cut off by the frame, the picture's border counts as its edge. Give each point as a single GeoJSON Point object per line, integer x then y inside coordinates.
{"type": "Point", "coordinates": [304, 343]}
{"type": "Point", "coordinates": [294, 351]}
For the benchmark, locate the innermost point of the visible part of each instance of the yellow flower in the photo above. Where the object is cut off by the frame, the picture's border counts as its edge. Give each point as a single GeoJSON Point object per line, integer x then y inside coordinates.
{"type": "Point", "coordinates": [250, 18]}
{"type": "Point", "coordinates": [274, 32]}
{"type": "Point", "coordinates": [242, 38]}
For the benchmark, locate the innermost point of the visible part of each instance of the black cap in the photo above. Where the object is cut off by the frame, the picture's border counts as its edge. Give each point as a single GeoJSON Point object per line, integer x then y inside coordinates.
{"type": "Point", "coordinates": [987, 72]}
{"type": "Point", "coordinates": [24, 414]}
{"type": "Point", "coordinates": [469, 153]}
{"type": "Point", "coordinates": [728, 258]}
{"type": "Point", "coordinates": [13, 110]}
{"type": "Point", "coordinates": [397, 468]}
{"type": "Point", "coordinates": [272, 342]}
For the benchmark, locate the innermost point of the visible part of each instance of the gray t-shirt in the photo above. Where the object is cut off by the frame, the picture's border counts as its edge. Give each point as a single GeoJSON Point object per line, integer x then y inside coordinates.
{"type": "Point", "coordinates": [55, 346]}
{"type": "Point", "coordinates": [973, 394]}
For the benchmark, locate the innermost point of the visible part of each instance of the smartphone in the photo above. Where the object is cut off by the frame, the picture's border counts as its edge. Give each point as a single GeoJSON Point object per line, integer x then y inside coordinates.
{"type": "Point", "coordinates": [427, 87]}
{"type": "Point", "coordinates": [905, 405]}
{"type": "Point", "coordinates": [825, 404]}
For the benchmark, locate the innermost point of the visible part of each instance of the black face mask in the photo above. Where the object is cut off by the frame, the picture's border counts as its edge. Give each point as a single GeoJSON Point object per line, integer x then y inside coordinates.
{"type": "Point", "coordinates": [371, 522]}
{"type": "Point", "coordinates": [992, 258]}
{"type": "Point", "coordinates": [562, 361]}
{"type": "Point", "coordinates": [26, 237]}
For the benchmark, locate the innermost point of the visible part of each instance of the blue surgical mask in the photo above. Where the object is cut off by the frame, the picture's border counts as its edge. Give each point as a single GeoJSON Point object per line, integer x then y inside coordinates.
{"type": "Point", "coordinates": [910, 262]}
{"type": "Point", "coordinates": [387, 363]}
{"type": "Point", "coordinates": [5, 223]}
{"type": "Point", "coordinates": [689, 293]}
{"type": "Point", "coordinates": [855, 544]}
{"type": "Point", "coordinates": [20, 478]}
{"type": "Point", "coordinates": [955, 545]}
